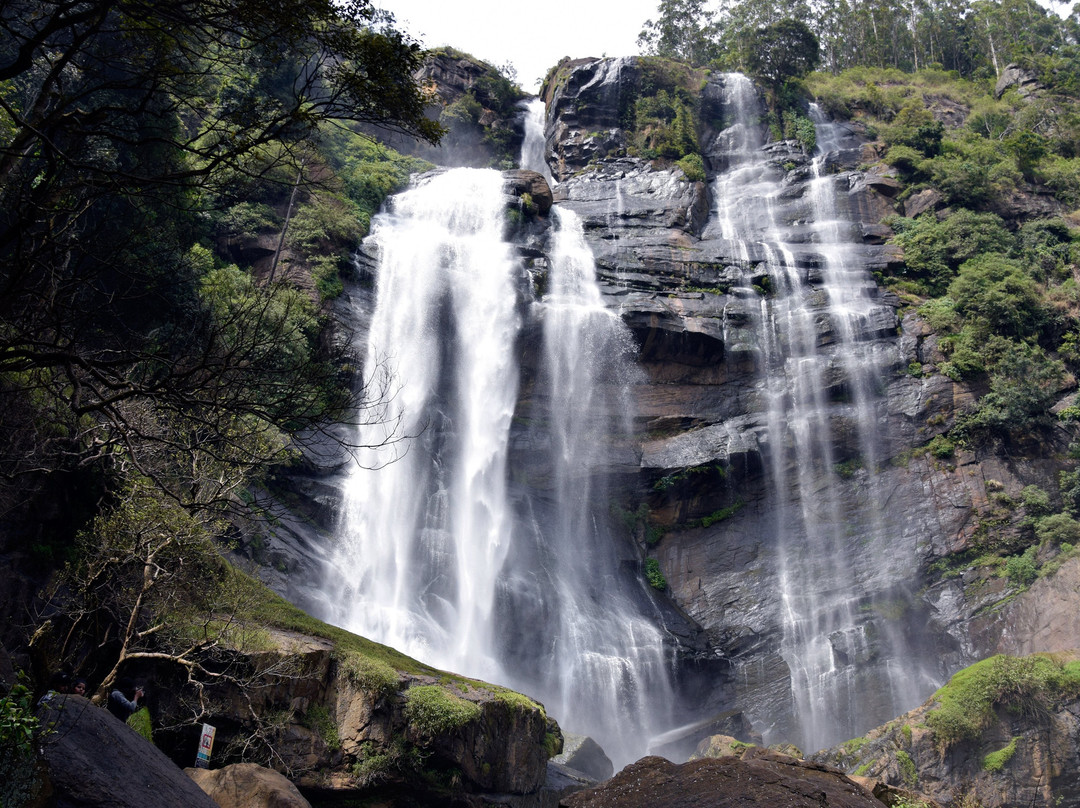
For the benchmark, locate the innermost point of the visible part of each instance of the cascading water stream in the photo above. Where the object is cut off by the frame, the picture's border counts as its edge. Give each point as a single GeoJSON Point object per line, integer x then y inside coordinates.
{"type": "Point", "coordinates": [426, 524]}
{"type": "Point", "coordinates": [518, 582]}
{"type": "Point", "coordinates": [821, 376]}
{"type": "Point", "coordinates": [607, 663]}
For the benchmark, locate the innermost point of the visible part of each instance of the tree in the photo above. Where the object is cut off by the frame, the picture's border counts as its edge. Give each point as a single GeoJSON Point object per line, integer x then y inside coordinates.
{"type": "Point", "coordinates": [123, 127]}
{"type": "Point", "coordinates": [782, 51]}
{"type": "Point", "coordinates": [681, 31]}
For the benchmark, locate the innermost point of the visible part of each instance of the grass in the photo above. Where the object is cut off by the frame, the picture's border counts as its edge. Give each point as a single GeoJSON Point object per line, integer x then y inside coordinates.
{"type": "Point", "coordinates": [433, 710]}
{"type": "Point", "coordinates": [1026, 685]}
{"type": "Point", "coordinates": [995, 761]}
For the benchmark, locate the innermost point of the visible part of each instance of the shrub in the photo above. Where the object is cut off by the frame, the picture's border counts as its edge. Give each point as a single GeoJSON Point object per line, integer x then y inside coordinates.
{"type": "Point", "coordinates": [1036, 500]}
{"type": "Point", "coordinates": [1022, 570]}
{"type": "Point", "coordinates": [1059, 528]}
{"type": "Point", "coordinates": [997, 290]}
{"type": "Point", "coordinates": [19, 730]}
{"type": "Point", "coordinates": [941, 447]}
{"type": "Point", "coordinates": [1030, 685]}
{"type": "Point", "coordinates": [693, 167]}
{"type": "Point", "coordinates": [654, 575]}
{"type": "Point", "coordinates": [934, 250]}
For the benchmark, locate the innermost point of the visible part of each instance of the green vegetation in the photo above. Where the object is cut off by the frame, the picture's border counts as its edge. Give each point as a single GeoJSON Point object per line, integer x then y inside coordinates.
{"type": "Point", "coordinates": [1027, 685]}
{"type": "Point", "coordinates": [20, 732]}
{"type": "Point", "coordinates": [654, 575]}
{"type": "Point", "coordinates": [663, 120]}
{"type": "Point", "coordinates": [141, 723]}
{"type": "Point", "coordinates": [433, 710]}
{"type": "Point", "coordinates": [907, 768]}
{"type": "Point", "coordinates": [708, 471]}
{"type": "Point", "coordinates": [995, 761]}
{"type": "Point", "coordinates": [318, 719]}
{"type": "Point", "coordinates": [719, 515]}
{"type": "Point", "coordinates": [484, 108]}
{"type": "Point", "coordinates": [397, 759]}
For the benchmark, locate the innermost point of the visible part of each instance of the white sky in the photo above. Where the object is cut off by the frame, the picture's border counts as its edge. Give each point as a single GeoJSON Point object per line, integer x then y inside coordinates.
{"type": "Point", "coordinates": [533, 36]}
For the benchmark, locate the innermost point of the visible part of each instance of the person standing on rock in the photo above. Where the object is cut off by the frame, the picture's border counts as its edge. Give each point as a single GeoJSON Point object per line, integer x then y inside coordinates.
{"type": "Point", "coordinates": [124, 699]}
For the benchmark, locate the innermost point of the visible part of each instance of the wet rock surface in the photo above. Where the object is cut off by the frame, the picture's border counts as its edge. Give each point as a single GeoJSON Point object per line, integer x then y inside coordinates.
{"type": "Point", "coordinates": [770, 780]}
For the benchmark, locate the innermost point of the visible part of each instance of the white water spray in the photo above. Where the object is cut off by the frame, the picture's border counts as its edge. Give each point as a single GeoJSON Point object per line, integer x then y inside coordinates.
{"type": "Point", "coordinates": [426, 527]}
{"type": "Point", "coordinates": [821, 377]}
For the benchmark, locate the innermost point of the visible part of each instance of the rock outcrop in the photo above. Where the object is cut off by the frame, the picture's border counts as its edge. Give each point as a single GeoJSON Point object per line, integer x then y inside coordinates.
{"type": "Point", "coordinates": [351, 715]}
{"type": "Point", "coordinates": [92, 760]}
{"type": "Point", "coordinates": [692, 295]}
{"type": "Point", "coordinates": [1022, 756]}
{"type": "Point", "coordinates": [769, 780]}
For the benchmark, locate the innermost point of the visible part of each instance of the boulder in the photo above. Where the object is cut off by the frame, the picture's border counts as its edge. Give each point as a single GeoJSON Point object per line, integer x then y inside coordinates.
{"type": "Point", "coordinates": [1025, 80]}
{"type": "Point", "coordinates": [680, 743]}
{"type": "Point", "coordinates": [248, 785]}
{"type": "Point", "coordinates": [771, 780]}
{"type": "Point", "coordinates": [585, 755]}
{"type": "Point", "coordinates": [927, 199]}
{"type": "Point", "coordinates": [95, 760]}
{"type": "Point", "coordinates": [521, 181]}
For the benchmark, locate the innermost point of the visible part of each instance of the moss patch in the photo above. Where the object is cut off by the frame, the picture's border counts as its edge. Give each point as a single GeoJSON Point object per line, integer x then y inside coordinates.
{"type": "Point", "coordinates": [995, 761]}
{"type": "Point", "coordinates": [433, 710]}
{"type": "Point", "coordinates": [1027, 685]}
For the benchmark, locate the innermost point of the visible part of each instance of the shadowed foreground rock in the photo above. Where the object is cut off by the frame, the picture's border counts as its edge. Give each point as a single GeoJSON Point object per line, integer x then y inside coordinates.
{"type": "Point", "coordinates": [95, 760]}
{"type": "Point", "coordinates": [721, 782]}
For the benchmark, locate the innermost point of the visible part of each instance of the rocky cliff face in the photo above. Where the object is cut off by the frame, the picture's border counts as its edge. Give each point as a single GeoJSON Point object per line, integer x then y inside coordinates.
{"type": "Point", "coordinates": [1021, 747]}
{"type": "Point", "coordinates": [692, 296]}
{"type": "Point", "coordinates": [903, 518]}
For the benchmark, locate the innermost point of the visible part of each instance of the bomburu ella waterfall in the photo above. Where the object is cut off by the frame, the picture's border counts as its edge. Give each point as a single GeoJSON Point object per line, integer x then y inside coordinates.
{"type": "Point", "coordinates": [443, 555]}
{"type": "Point", "coordinates": [488, 525]}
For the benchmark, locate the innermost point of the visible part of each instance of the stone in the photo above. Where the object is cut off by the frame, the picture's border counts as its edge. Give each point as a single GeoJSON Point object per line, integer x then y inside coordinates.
{"type": "Point", "coordinates": [248, 785]}
{"type": "Point", "coordinates": [720, 782]}
{"type": "Point", "coordinates": [522, 181]}
{"type": "Point", "coordinates": [1025, 80]}
{"type": "Point", "coordinates": [95, 760]}
{"type": "Point", "coordinates": [679, 744]}
{"type": "Point", "coordinates": [585, 755]}
{"type": "Point", "coordinates": [928, 199]}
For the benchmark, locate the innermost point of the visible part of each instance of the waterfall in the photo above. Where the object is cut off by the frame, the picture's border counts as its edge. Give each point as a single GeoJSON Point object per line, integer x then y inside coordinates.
{"type": "Point", "coordinates": [426, 527]}
{"type": "Point", "coordinates": [533, 145]}
{"type": "Point", "coordinates": [520, 581]}
{"type": "Point", "coordinates": [822, 372]}
{"type": "Point", "coordinates": [606, 667]}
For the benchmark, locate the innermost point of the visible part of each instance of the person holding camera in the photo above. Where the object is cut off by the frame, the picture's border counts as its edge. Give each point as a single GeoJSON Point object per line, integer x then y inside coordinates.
{"type": "Point", "coordinates": [125, 698]}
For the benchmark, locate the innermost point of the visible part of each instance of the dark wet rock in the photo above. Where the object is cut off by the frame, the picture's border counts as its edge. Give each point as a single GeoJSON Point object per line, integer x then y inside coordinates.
{"type": "Point", "coordinates": [715, 782]}
{"type": "Point", "coordinates": [96, 761]}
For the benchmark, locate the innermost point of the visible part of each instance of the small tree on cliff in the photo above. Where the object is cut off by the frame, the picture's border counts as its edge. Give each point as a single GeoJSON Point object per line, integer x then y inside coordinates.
{"type": "Point", "coordinates": [781, 52]}
{"type": "Point", "coordinates": [682, 31]}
